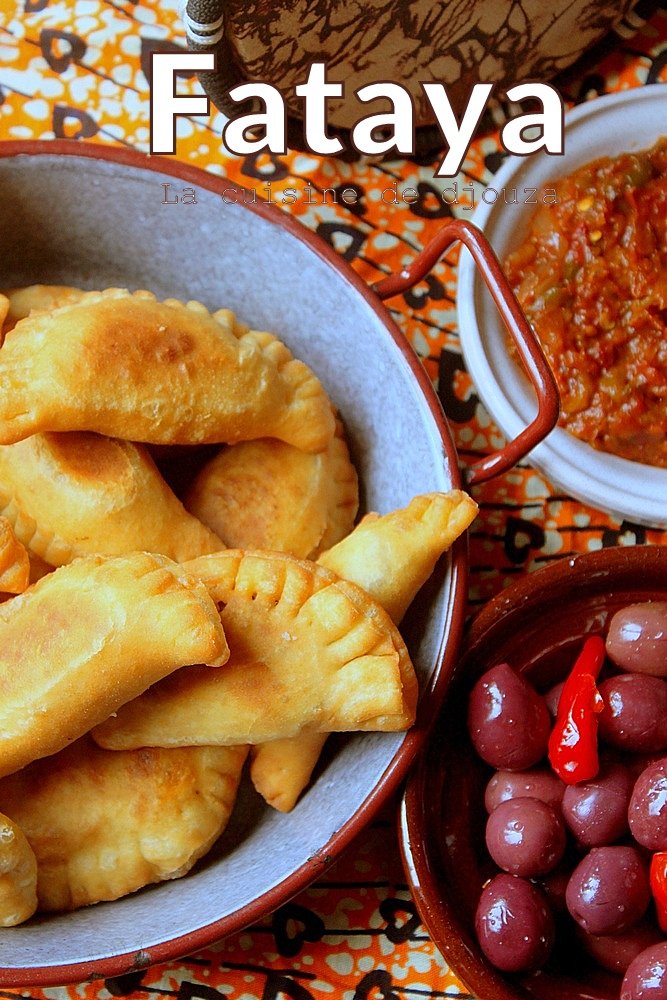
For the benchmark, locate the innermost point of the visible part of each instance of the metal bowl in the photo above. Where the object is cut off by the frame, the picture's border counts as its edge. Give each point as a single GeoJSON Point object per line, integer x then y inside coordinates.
{"type": "Point", "coordinates": [97, 216]}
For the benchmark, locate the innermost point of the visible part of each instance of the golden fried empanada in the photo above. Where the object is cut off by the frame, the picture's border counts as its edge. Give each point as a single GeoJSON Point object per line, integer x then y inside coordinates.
{"type": "Point", "coordinates": [281, 769]}
{"type": "Point", "coordinates": [266, 494]}
{"type": "Point", "coordinates": [14, 561]}
{"type": "Point", "coordinates": [307, 652]}
{"type": "Point", "coordinates": [102, 824]}
{"type": "Point", "coordinates": [77, 493]}
{"type": "Point", "coordinates": [18, 875]}
{"type": "Point", "coordinates": [90, 636]}
{"type": "Point", "coordinates": [126, 365]}
{"type": "Point", "coordinates": [37, 298]}
{"type": "Point", "coordinates": [391, 557]}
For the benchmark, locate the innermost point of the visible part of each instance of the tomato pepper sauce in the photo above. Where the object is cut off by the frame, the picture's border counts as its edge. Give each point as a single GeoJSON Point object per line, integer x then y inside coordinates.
{"type": "Point", "coordinates": [591, 276]}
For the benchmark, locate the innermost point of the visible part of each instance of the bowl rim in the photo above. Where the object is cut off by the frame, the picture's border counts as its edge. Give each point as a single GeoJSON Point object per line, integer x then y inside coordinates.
{"type": "Point", "coordinates": [397, 768]}
{"type": "Point", "coordinates": [623, 488]}
{"type": "Point", "coordinates": [579, 573]}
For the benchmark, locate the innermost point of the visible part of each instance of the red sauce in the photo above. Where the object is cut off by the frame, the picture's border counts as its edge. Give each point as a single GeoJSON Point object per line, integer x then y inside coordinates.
{"type": "Point", "coordinates": [591, 276]}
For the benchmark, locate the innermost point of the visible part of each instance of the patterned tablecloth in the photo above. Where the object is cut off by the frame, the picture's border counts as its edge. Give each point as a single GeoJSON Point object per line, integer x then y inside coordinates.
{"type": "Point", "coordinates": [80, 70]}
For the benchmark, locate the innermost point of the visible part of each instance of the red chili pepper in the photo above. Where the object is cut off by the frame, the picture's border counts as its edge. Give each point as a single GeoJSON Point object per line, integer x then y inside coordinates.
{"type": "Point", "coordinates": [573, 743]}
{"type": "Point", "coordinates": [589, 661]}
{"type": "Point", "coordinates": [659, 886]}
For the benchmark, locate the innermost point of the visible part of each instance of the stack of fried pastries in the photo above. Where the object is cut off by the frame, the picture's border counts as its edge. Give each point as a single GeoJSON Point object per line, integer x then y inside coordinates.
{"type": "Point", "coordinates": [155, 641]}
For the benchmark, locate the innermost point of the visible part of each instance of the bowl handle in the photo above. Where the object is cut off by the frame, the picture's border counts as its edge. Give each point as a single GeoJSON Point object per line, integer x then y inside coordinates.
{"type": "Point", "coordinates": [528, 347]}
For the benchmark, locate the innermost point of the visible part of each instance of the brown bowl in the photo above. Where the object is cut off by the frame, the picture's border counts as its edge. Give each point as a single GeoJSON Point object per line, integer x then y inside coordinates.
{"type": "Point", "coordinates": [537, 625]}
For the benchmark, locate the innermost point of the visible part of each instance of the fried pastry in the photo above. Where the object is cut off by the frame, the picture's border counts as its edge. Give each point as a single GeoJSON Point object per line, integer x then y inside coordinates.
{"type": "Point", "coordinates": [14, 561]}
{"type": "Point", "coordinates": [266, 494]}
{"type": "Point", "coordinates": [281, 769]}
{"type": "Point", "coordinates": [308, 651]}
{"type": "Point", "coordinates": [103, 824]}
{"type": "Point", "coordinates": [18, 875]}
{"type": "Point", "coordinates": [78, 493]}
{"type": "Point", "coordinates": [36, 298]}
{"type": "Point", "coordinates": [89, 637]}
{"type": "Point", "coordinates": [390, 556]}
{"type": "Point", "coordinates": [128, 366]}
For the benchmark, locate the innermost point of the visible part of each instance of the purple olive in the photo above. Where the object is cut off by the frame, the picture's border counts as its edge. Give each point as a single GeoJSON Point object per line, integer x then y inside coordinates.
{"type": "Point", "coordinates": [596, 811]}
{"type": "Point", "coordinates": [552, 698]}
{"type": "Point", "coordinates": [615, 952]}
{"type": "Point", "coordinates": [536, 783]}
{"type": "Point", "coordinates": [554, 885]}
{"type": "Point", "coordinates": [638, 762]}
{"type": "Point", "coordinates": [647, 812]}
{"type": "Point", "coordinates": [514, 925]}
{"type": "Point", "coordinates": [609, 889]}
{"type": "Point", "coordinates": [525, 837]}
{"type": "Point", "coordinates": [508, 720]}
{"type": "Point", "coordinates": [634, 716]}
{"type": "Point", "coordinates": [637, 638]}
{"type": "Point", "coordinates": [646, 976]}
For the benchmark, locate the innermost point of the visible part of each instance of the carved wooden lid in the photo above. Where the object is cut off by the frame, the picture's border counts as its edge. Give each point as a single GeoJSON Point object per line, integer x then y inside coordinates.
{"type": "Point", "coordinates": [454, 42]}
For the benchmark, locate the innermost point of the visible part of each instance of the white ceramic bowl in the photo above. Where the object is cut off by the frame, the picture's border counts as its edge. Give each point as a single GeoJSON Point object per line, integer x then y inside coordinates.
{"type": "Point", "coordinates": [606, 126]}
{"type": "Point", "coordinates": [93, 216]}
